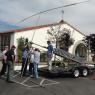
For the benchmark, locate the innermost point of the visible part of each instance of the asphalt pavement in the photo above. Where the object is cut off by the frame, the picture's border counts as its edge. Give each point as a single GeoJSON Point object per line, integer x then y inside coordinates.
{"type": "Point", "coordinates": [48, 86]}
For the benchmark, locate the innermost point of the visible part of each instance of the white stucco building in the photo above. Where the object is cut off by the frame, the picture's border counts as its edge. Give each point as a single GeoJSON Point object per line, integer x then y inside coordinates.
{"type": "Point", "coordinates": [38, 34]}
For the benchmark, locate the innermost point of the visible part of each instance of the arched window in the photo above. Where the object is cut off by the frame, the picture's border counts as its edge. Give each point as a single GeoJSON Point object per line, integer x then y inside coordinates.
{"type": "Point", "coordinates": [81, 51]}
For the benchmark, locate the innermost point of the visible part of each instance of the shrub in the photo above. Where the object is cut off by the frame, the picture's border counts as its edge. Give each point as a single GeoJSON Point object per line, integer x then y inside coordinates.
{"type": "Point", "coordinates": [20, 46]}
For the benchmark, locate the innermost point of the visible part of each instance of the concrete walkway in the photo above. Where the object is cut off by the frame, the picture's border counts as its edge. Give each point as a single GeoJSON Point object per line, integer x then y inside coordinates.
{"type": "Point", "coordinates": [18, 66]}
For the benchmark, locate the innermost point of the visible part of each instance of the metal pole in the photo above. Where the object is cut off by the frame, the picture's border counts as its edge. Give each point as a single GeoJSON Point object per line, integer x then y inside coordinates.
{"type": "Point", "coordinates": [88, 49]}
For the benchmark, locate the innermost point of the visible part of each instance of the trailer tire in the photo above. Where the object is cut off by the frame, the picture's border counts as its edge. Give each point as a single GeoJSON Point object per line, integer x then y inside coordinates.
{"type": "Point", "coordinates": [76, 73]}
{"type": "Point", "coordinates": [84, 72]}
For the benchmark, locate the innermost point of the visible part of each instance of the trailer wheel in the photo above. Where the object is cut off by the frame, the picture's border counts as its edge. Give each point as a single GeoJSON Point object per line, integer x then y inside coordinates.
{"type": "Point", "coordinates": [76, 73]}
{"type": "Point", "coordinates": [84, 72]}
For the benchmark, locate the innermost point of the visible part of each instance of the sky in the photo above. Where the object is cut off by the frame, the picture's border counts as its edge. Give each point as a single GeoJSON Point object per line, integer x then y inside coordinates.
{"type": "Point", "coordinates": [81, 16]}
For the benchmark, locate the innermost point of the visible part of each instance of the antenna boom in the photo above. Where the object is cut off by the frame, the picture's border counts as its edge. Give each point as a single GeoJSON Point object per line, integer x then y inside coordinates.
{"type": "Point", "coordinates": [68, 5]}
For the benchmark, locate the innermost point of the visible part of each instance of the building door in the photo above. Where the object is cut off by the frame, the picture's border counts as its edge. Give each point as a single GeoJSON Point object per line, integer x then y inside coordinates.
{"type": "Point", "coordinates": [4, 40]}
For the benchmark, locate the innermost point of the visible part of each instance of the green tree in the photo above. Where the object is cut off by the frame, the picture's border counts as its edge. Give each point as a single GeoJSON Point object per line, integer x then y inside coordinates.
{"type": "Point", "coordinates": [21, 44]}
{"type": "Point", "coordinates": [61, 37]}
{"type": "Point", "coordinates": [54, 34]}
{"type": "Point", "coordinates": [65, 41]}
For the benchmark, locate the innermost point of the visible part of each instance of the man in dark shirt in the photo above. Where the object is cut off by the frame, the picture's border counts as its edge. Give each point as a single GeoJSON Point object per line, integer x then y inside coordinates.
{"type": "Point", "coordinates": [10, 63]}
{"type": "Point", "coordinates": [24, 61]}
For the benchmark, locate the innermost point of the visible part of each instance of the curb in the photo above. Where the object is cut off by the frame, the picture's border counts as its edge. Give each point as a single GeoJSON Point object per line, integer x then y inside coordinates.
{"type": "Point", "coordinates": [19, 67]}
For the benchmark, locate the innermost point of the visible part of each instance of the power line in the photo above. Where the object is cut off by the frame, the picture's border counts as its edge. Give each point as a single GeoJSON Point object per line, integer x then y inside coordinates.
{"type": "Point", "coordinates": [68, 5]}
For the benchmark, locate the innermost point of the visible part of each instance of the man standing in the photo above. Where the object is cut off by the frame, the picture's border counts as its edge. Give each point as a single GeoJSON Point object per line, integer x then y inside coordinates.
{"type": "Point", "coordinates": [36, 62]}
{"type": "Point", "coordinates": [3, 70]}
{"type": "Point", "coordinates": [10, 63]}
{"type": "Point", "coordinates": [24, 61]}
{"type": "Point", "coordinates": [31, 67]}
{"type": "Point", "coordinates": [49, 55]}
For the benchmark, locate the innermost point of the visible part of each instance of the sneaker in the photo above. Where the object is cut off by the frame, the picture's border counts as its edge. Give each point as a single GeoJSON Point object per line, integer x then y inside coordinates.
{"type": "Point", "coordinates": [31, 76]}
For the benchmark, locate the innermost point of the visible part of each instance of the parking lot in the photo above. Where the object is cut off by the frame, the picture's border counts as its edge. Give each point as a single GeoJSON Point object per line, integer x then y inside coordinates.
{"type": "Point", "coordinates": [63, 85]}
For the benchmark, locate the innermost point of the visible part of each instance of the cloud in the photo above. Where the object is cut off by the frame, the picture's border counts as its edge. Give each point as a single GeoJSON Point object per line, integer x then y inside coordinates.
{"type": "Point", "coordinates": [81, 16]}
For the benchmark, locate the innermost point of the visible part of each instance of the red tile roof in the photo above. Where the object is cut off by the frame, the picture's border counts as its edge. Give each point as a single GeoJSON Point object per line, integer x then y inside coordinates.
{"type": "Point", "coordinates": [40, 26]}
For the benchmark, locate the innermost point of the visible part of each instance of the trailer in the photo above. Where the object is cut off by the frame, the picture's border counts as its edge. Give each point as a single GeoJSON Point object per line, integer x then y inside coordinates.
{"type": "Point", "coordinates": [76, 66]}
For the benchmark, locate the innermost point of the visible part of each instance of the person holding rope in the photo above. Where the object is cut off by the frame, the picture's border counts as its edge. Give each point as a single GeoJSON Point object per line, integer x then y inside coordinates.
{"type": "Point", "coordinates": [24, 61]}
{"type": "Point", "coordinates": [10, 58]}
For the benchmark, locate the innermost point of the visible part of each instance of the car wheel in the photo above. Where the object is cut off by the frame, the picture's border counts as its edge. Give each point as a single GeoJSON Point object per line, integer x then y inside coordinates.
{"type": "Point", "coordinates": [84, 72]}
{"type": "Point", "coordinates": [76, 73]}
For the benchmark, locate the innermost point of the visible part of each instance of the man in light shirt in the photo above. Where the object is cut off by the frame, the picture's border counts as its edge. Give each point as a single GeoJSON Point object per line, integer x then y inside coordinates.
{"type": "Point", "coordinates": [3, 70]}
{"type": "Point", "coordinates": [31, 67]}
{"type": "Point", "coordinates": [24, 61]}
{"type": "Point", "coordinates": [36, 62]}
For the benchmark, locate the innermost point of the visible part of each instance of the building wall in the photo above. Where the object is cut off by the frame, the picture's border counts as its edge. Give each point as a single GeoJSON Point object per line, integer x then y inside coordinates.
{"type": "Point", "coordinates": [41, 37]}
{"type": "Point", "coordinates": [12, 42]}
{"type": "Point", "coordinates": [5, 39]}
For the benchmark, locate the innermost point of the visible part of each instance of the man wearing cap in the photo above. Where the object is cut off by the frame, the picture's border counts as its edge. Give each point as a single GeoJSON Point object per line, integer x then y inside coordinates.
{"type": "Point", "coordinates": [3, 70]}
{"type": "Point", "coordinates": [10, 63]}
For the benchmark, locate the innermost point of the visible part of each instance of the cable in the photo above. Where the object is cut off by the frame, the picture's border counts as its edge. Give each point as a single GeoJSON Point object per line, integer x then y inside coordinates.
{"type": "Point", "coordinates": [36, 25]}
{"type": "Point", "coordinates": [51, 10]}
